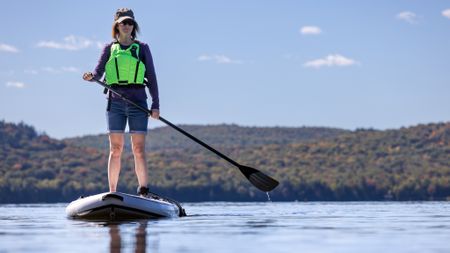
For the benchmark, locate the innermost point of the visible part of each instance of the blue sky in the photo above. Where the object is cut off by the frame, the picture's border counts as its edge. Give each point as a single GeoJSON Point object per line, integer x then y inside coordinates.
{"type": "Point", "coordinates": [347, 64]}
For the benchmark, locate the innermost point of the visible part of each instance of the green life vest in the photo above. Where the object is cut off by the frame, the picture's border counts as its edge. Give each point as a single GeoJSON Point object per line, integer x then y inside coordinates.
{"type": "Point", "coordinates": [124, 66]}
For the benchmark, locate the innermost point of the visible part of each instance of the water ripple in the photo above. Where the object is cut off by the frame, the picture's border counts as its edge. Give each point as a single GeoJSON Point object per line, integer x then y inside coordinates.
{"type": "Point", "coordinates": [237, 227]}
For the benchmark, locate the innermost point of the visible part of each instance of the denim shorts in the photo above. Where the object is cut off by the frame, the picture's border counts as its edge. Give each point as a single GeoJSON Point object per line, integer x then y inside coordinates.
{"type": "Point", "coordinates": [121, 112]}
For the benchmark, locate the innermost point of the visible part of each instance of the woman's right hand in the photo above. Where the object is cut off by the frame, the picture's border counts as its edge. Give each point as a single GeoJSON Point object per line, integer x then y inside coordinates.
{"type": "Point", "coordinates": [88, 76]}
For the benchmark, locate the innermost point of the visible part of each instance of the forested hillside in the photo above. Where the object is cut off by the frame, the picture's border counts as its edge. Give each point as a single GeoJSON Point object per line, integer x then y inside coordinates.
{"type": "Point", "coordinates": [402, 164]}
{"type": "Point", "coordinates": [163, 138]}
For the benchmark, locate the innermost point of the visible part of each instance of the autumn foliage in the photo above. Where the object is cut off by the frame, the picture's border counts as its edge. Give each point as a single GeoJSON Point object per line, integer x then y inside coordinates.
{"type": "Point", "coordinates": [311, 164]}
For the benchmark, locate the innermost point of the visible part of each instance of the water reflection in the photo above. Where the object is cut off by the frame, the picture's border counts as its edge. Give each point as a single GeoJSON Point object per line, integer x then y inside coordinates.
{"type": "Point", "coordinates": [140, 237]}
{"type": "Point", "coordinates": [264, 223]}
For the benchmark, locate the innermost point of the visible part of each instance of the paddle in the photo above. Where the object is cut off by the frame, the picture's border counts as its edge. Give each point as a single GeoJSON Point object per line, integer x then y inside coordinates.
{"type": "Point", "coordinates": [256, 177]}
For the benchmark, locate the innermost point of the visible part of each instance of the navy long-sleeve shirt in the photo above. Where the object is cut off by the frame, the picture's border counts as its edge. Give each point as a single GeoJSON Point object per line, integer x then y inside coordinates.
{"type": "Point", "coordinates": [134, 94]}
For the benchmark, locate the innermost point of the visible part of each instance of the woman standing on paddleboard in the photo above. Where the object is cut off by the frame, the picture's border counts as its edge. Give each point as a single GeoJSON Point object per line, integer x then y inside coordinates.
{"type": "Point", "coordinates": [128, 68]}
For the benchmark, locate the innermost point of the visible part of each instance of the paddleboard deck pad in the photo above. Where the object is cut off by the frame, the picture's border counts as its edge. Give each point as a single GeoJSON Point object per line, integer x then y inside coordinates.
{"type": "Point", "coordinates": [122, 206]}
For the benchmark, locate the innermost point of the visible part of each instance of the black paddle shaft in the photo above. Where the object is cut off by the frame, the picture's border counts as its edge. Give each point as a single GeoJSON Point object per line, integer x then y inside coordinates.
{"type": "Point", "coordinates": [257, 178]}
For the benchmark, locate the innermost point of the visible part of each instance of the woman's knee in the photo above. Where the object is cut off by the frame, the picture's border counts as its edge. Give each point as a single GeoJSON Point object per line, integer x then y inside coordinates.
{"type": "Point", "coordinates": [138, 145]}
{"type": "Point", "coordinates": [116, 150]}
{"type": "Point", "coordinates": [139, 150]}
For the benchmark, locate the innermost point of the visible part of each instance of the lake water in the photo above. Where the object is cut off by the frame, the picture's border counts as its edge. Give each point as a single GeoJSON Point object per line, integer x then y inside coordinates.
{"type": "Point", "coordinates": [238, 227]}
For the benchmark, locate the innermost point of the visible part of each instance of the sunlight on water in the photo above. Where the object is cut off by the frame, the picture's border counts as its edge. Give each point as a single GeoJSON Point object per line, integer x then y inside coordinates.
{"type": "Point", "coordinates": [237, 227]}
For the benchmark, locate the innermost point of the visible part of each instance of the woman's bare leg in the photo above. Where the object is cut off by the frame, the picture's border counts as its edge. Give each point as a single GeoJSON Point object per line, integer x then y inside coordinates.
{"type": "Point", "coordinates": [115, 153]}
{"type": "Point", "coordinates": [140, 165]}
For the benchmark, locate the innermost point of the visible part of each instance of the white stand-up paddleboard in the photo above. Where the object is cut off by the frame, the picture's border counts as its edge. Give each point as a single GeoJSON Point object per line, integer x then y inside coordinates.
{"type": "Point", "coordinates": [122, 206]}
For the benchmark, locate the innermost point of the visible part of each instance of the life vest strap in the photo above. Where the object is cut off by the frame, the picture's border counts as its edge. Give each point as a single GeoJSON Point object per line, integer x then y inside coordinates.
{"type": "Point", "coordinates": [137, 70]}
{"type": "Point", "coordinates": [117, 68]}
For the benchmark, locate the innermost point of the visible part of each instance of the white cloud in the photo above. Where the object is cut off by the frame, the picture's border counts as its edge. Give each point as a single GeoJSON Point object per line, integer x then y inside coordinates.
{"type": "Point", "coordinates": [330, 61]}
{"type": "Point", "coordinates": [13, 84]}
{"type": "Point", "coordinates": [446, 13]}
{"type": "Point", "coordinates": [310, 30]}
{"type": "Point", "coordinates": [8, 48]}
{"type": "Point", "coordinates": [100, 45]}
{"type": "Point", "coordinates": [70, 69]}
{"type": "Point", "coordinates": [408, 16]}
{"type": "Point", "coordinates": [50, 70]}
{"type": "Point", "coordinates": [220, 59]}
{"type": "Point", "coordinates": [53, 70]}
{"type": "Point", "coordinates": [31, 71]}
{"type": "Point", "coordinates": [71, 43]}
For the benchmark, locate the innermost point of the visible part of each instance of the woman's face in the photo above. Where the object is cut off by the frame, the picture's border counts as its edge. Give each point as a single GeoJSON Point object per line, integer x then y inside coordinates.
{"type": "Point", "coordinates": [126, 27]}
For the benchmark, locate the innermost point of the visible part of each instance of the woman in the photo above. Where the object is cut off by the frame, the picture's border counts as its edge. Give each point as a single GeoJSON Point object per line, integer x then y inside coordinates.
{"type": "Point", "coordinates": [126, 64]}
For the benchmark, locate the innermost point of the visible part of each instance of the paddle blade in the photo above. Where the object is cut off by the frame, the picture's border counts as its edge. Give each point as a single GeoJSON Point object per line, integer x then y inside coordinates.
{"type": "Point", "coordinates": [259, 179]}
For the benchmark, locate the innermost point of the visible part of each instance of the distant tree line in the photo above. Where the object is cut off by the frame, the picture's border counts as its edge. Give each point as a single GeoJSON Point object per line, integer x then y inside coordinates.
{"type": "Point", "coordinates": [403, 164]}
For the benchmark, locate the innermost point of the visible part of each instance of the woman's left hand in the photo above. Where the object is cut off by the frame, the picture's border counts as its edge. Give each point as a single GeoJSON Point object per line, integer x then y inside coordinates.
{"type": "Point", "coordinates": [155, 114]}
